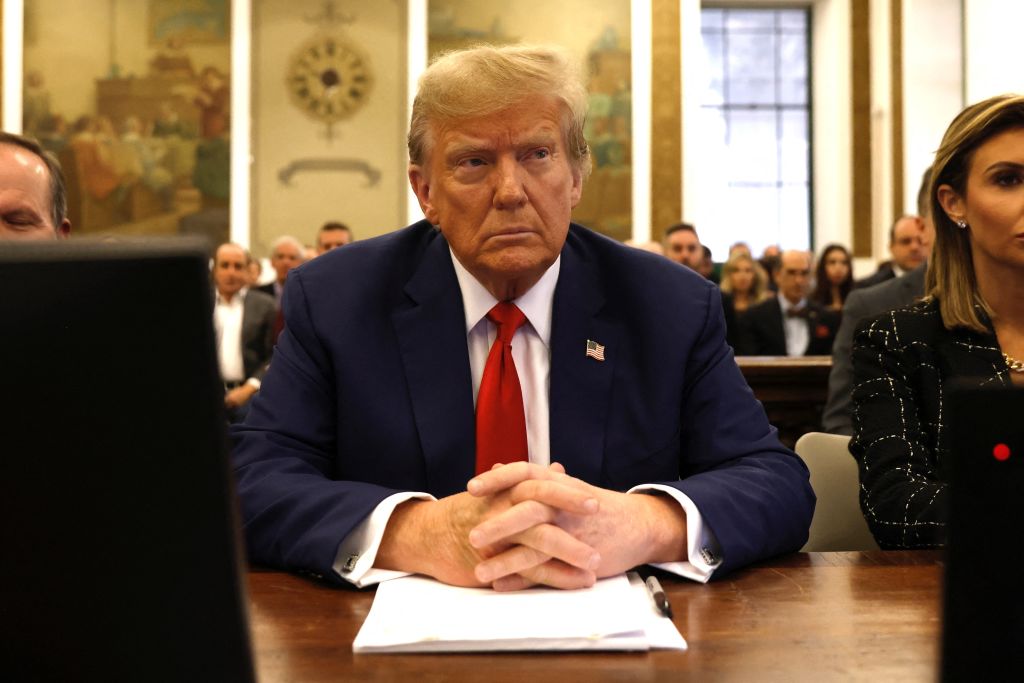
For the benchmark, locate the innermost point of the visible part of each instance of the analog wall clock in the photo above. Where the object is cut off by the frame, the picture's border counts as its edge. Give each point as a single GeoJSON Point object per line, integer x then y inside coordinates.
{"type": "Point", "coordinates": [329, 79]}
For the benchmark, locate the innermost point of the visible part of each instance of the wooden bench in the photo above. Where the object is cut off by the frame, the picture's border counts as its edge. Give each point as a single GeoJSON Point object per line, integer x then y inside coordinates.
{"type": "Point", "coordinates": [793, 391]}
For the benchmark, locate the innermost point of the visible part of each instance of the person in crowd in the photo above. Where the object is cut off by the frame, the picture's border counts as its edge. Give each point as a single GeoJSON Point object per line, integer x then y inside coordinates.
{"type": "Point", "coordinates": [683, 246]}
{"type": "Point", "coordinates": [244, 321]}
{"type": "Point", "coordinates": [770, 262]}
{"type": "Point", "coordinates": [908, 246]}
{"type": "Point", "coordinates": [33, 196]}
{"type": "Point", "coordinates": [255, 268]}
{"type": "Point", "coordinates": [744, 280]}
{"type": "Point", "coordinates": [968, 329]}
{"type": "Point", "coordinates": [331, 236]}
{"type": "Point", "coordinates": [607, 373]}
{"type": "Point", "coordinates": [833, 278]}
{"type": "Point", "coordinates": [285, 253]}
{"type": "Point", "coordinates": [788, 324]}
{"type": "Point", "coordinates": [706, 267]}
{"type": "Point", "coordinates": [739, 248]}
{"type": "Point", "coordinates": [868, 302]}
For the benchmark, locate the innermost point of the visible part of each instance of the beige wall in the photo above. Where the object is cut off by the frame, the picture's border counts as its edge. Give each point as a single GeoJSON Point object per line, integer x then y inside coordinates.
{"type": "Point", "coordinates": [282, 134]}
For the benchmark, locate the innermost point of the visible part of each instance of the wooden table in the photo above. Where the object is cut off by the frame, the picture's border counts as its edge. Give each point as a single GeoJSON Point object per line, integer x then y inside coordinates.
{"type": "Point", "coordinates": [805, 617]}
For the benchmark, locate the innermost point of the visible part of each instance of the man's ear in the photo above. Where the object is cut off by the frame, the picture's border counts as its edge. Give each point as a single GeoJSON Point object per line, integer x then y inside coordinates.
{"type": "Point", "coordinates": [64, 229]}
{"type": "Point", "coordinates": [577, 187]}
{"type": "Point", "coordinates": [421, 188]}
{"type": "Point", "coordinates": [951, 202]}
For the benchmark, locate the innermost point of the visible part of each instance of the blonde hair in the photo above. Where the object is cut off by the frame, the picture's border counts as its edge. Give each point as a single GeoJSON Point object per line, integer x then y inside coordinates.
{"type": "Point", "coordinates": [486, 79]}
{"type": "Point", "coordinates": [758, 288]}
{"type": "Point", "coordinates": [950, 277]}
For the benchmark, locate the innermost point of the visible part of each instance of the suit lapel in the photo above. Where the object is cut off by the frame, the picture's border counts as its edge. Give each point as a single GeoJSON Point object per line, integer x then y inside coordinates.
{"type": "Point", "coordinates": [431, 332]}
{"type": "Point", "coordinates": [580, 385]}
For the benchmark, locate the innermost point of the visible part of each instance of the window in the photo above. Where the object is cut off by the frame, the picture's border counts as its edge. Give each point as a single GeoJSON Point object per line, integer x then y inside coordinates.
{"type": "Point", "coordinates": [755, 123]}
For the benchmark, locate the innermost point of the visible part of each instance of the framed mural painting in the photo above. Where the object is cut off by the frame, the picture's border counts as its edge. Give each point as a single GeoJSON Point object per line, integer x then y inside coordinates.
{"type": "Point", "coordinates": [137, 110]}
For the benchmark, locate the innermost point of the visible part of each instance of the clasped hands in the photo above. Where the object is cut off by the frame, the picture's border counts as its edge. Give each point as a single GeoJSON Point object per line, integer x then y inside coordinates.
{"type": "Point", "coordinates": [523, 524]}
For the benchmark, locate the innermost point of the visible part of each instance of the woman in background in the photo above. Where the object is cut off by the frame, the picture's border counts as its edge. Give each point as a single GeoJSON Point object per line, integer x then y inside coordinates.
{"type": "Point", "coordinates": [834, 278]}
{"type": "Point", "coordinates": [969, 327]}
{"type": "Point", "coordinates": [745, 281]}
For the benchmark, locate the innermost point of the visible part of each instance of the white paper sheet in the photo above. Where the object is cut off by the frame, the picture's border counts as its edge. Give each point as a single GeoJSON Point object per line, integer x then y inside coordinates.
{"type": "Point", "coordinates": [417, 614]}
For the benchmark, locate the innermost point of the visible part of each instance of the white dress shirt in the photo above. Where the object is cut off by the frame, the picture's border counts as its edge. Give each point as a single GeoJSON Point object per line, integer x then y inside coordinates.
{"type": "Point", "coordinates": [227, 322]}
{"type": "Point", "coordinates": [798, 334]}
{"type": "Point", "coordinates": [532, 355]}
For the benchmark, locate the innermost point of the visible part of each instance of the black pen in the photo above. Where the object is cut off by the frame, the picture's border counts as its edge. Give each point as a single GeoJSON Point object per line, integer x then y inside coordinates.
{"type": "Point", "coordinates": [660, 599]}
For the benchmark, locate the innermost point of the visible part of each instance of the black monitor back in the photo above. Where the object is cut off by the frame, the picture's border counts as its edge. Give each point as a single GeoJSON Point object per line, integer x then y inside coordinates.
{"type": "Point", "coordinates": [983, 616]}
{"type": "Point", "coordinates": [120, 555]}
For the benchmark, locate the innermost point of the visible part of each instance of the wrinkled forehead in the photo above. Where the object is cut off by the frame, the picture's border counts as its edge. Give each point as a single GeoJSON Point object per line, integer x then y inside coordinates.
{"type": "Point", "coordinates": [542, 117]}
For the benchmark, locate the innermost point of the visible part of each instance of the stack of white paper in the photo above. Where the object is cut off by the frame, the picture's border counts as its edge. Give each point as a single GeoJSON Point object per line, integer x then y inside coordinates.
{"type": "Point", "coordinates": [417, 614]}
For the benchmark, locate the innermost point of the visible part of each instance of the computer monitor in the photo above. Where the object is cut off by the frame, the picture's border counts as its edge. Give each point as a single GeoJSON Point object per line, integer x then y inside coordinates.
{"type": "Point", "coordinates": [983, 615]}
{"type": "Point", "coordinates": [120, 558]}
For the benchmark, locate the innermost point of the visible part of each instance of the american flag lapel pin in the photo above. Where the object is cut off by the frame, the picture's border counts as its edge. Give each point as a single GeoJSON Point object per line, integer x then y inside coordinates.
{"type": "Point", "coordinates": [595, 350]}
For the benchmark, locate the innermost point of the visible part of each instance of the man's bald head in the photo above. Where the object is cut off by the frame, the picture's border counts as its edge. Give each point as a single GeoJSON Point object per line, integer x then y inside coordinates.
{"type": "Point", "coordinates": [793, 274]}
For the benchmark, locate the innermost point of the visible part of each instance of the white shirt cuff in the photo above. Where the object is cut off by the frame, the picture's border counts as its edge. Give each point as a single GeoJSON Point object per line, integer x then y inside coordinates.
{"type": "Point", "coordinates": [702, 549]}
{"type": "Point", "coordinates": [357, 553]}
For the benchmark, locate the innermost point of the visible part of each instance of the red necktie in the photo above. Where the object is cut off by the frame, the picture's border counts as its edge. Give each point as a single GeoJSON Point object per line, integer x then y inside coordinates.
{"type": "Point", "coordinates": [500, 418]}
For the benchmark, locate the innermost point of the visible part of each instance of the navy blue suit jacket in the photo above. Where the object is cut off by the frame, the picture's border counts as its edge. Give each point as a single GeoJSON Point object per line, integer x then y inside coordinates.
{"type": "Point", "coordinates": [369, 393]}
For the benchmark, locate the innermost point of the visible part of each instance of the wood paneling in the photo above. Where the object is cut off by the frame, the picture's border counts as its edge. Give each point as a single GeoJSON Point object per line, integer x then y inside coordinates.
{"type": "Point", "coordinates": [666, 117]}
{"type": "Point", "coordinates": [860, 149]}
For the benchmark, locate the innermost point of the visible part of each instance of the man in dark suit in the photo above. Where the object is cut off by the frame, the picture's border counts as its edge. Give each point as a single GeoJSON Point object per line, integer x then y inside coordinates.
{"type": "Point", "coordinates": [244, 322]}
{"type": "Point", "coordinates": [861, 304]}
{"type": "Point", "coordinates": [866, 303]}
{"type": "Point", "coordinates": [354, 461]}
{"type": "Point", "coordinates": [908, 245]}
{"type": "Point", "coordinates": [788, 324]}
{"type": "Point", "coordinates": [285, 254]}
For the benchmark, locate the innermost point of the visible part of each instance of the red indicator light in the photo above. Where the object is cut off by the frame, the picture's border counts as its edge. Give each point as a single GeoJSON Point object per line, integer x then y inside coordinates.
{"type": "Point", "coordinates": [1001, 451]}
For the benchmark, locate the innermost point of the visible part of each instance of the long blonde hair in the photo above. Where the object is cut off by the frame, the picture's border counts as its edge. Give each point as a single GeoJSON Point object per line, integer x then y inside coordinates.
{"type": "Point", "coordinates": [759, 287]}
{"type": "Point", "coordinates": [950, 277]}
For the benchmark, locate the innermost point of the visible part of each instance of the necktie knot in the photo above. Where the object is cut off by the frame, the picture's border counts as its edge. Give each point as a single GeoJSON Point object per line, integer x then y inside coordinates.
{"type": "Point", "coordinates": [508, 318]}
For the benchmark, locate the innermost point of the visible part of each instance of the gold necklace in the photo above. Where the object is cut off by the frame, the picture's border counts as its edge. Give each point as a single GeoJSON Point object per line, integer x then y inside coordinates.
{"type": "Point", "coordinates": [1014, 364]}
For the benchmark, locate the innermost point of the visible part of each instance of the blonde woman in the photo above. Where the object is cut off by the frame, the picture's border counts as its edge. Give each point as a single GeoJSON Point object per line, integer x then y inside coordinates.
{"type": "Point", "coordinates": [745, 281]}
{"type": "Point", "coordinates": [969, 327]}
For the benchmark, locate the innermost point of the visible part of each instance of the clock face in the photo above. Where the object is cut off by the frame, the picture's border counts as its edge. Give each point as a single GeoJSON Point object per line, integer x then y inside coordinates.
{"type": "Point", "coordinates": [329, 79]}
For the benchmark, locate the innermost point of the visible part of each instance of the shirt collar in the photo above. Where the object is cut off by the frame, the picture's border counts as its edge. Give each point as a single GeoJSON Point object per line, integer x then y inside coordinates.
{"type": "Point", "coordinates": [784, 303]}
{"type": "Point", "coordinates": [237, 298]}
{"type": "Point", "coordinates": [536, 304]}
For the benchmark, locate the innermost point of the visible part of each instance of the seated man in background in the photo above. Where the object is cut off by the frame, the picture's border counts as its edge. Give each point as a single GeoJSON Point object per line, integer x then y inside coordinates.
{"type": "Point", "coordinates": [683, 246]}
{"type": "Point", "coordinates": [285, 253]}
{"type": "Point", "coordinates": [33, 198]}
{"type": "Point", "coordinates": [908, 245]}
{"type": "Point", "coordinates": [788, 324]}
{"type": "Point", "coordinates": [868, 302]}
{"type": "Point", "coordinates": [607, 426]}
{"type": "Point", "coordinates": [244, 321]}
{"type": "Point", "coordinates": [331, 236]}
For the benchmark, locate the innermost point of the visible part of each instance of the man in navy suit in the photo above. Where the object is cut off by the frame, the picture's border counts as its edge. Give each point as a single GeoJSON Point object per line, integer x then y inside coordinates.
{"type": "Point", "coordinates": [643, 442]}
